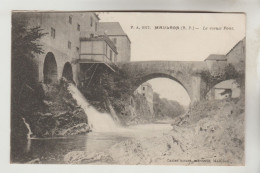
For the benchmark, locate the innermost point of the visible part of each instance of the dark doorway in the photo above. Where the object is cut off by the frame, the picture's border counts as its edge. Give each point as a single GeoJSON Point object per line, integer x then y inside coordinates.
{"type": "Point", "coordinates": [50, 69]}
{"type": "Point", "coordinates": [67, 71]}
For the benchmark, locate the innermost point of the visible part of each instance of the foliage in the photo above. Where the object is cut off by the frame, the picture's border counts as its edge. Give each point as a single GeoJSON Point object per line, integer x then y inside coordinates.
{"type": "Point", "coordinates": [24, 46]}
{"type": "Point", "coordinates": [118, 89]}
{"type": "Point", "coordinates": [105, 85]}
{"type": "Point", "coordinates": [123, 86]}
{"type": "Point", "coordinates": [25, 39]}
{"type": "Point", "coordinates": [58, 112]}
{"type": "Point", "coordinates": [166, 108]}
{"type": "Point", "coordinates": [229, 72]}
{"type": "Point", "coordinates": [24, 96]}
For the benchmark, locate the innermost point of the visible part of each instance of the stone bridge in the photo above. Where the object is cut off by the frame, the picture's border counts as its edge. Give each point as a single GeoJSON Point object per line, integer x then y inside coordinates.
{"type": "Point", "coordinates": [185, 73]}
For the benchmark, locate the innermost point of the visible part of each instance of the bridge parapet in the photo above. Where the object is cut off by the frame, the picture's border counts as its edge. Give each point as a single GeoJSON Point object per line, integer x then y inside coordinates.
{"type": "Point", "coordinates": [185, 67]}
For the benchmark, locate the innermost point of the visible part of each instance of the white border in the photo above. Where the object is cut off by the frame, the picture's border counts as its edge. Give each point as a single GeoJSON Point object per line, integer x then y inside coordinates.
{"type": "Point", "coordinates": [250, 7]}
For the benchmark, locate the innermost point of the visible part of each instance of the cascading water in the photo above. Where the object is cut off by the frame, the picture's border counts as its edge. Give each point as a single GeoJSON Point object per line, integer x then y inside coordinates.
{"type": "Point", "coordinates": [29, 129]}
{"type": "Point", "coordinates": [98, 122]}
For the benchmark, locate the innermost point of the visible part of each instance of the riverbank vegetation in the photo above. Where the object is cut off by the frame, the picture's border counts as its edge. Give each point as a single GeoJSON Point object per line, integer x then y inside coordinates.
{"type": "Point", "coordinates": [210, 133]}
{"type": "Point", "coordinates": [54, 112]}
{"type": "Point", "coordinates": [164, 108]}
{"type": "Point", "coordinates": [131, 107]}
{"type": "Point", "coordinates": [23, 81]}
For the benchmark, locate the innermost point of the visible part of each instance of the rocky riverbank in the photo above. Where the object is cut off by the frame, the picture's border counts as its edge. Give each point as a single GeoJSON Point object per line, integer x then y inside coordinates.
{"type": "Point", "coordinates": [209, 134]}
{"type": "Point", "coordinates": [56, 113]}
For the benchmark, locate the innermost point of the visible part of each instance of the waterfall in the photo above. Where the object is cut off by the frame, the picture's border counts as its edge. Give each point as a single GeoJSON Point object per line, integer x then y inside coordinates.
{"type": "Point", "coordinates": [98, 122]}
{"type": "Point", "coordinates": [29, 129]}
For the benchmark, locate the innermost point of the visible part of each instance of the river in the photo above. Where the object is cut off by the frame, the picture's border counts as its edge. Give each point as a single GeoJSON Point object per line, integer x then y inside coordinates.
{"type": "Point", "coordinates": [53, 150]}
{"type": "Point", "coordinates": [105, 133]}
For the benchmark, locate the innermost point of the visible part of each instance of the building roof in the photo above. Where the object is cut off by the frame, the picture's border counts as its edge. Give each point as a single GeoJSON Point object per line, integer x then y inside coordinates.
{"type": "Point", "coordinates": [216, 57]}
{"type": "Point", "coordinates": [112, 29]}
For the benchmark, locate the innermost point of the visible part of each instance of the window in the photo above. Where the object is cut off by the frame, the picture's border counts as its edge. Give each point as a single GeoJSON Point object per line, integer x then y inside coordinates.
{"type": "Point", "coordinates": [77, 48]}
{"type": "Point", "coordinates": [143, 88]}
{"type": "Point", "coordinates": [91, 21]}
{"type": "Point", "coordinates": [143, 94]}
{"type": "Point", "coordinates": [115, 58]}
{"type": "Point", "coordinates": [106, 49]}
{"type": "Point", "coordinates": [114, 40]}
{"type": "Point", "coordinates": [69, 44]}
{"type": "Point", "coordinates": [110, 55]}
{"type": "Point", "coordinates": [78, 27]}
{"type": "Point", "coordinates": [95, 26]}
{"type": "Point", "coordinates": [70, 19]}
{"type": "Point", "coordinates": [132, 102]}
{"type": "Point", "coordinates": [52, 32]}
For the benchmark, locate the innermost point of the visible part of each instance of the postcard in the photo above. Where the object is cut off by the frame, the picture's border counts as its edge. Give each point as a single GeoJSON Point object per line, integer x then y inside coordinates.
{"type": "Point", "coordinates": [128, 88]}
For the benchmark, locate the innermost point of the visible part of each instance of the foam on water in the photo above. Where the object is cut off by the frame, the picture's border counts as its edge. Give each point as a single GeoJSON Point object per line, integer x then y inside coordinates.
{"type": "Point", "coordinates": [98, 122]}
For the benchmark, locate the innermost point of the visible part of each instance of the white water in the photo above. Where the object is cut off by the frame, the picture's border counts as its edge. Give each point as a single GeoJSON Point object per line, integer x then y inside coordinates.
{"type": "Point", "coordinates": [98, 122]}
{"type": "Point", "coordinates": [29, 129]}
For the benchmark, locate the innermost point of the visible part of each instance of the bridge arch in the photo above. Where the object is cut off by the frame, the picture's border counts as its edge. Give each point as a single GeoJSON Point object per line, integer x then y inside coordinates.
{"type": "Point", "coordinates": [67, 71]}
{"type": "Point", "coordinates": [50, 69]}
{"type": "Point", "coordinates": [150, 76]}
{"type": "Point", "coordinates": [226, 88]}
{"type": "Point", "coordinates": [185, 73]}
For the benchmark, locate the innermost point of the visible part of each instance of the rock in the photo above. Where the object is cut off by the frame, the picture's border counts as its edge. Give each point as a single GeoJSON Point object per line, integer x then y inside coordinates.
{"type": "Point", "coordinates": [77, 157]}
{"type": "Point", "coordinates": [47, 103]}
{"type": "Point", "coordinates": [34, 161]}
{"type": "Point", "coordinates": [69, 103]}
{"type": "Point", "coordinates": [75, 112]}
{"type": "Point", "coordinates": [61, 114]}
{"type": "Point", "coordinates": [47, 114]}
{"type": "Point", "coordinates": [75, 130]}
{"type": "Point", "coordinates": [43, 114]}
{"type": "Point", "coordinates": [58, 113]}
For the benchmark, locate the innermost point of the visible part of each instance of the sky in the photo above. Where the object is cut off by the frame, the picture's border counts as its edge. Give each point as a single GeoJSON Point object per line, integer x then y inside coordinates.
{"type": "Point", "coordinates": [171, 90]}
{"type": "Point", "coordinates": [189, 44]}
{"type": "Point", "coordinates": [178, 45]}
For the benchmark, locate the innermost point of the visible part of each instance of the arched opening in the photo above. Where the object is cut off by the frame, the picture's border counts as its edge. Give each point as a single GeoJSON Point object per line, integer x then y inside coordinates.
{"type": "Point", "coordinates": [164, 95]}
{"type": "Point", "coordinates": [50, 69]}
{"type": "Point", "coordinates": [224, 90]}
{"type": "Point", "coordinates": [67, 71]}
{"type": "Point", "coordinates": [132, 102]}
{"type": "Point", "coordinates": [161, 76]}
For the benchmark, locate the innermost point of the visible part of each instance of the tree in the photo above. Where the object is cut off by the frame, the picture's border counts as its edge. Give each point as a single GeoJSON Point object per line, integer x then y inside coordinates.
{"type": "Point", "coordinates": [25, 44]}
{"type": "Point", "coordinates": [103, 85]}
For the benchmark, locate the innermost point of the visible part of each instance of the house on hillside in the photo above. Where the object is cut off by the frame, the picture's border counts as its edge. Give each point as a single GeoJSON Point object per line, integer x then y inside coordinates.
{"type": "Point", "coordinates": [235, 56]}
{"type": "Point", "coordinates": [215, 58]}
{"type": "Point", "coordinates": [146, 91]}
{"type": "Point", "coordinates": [224, 90]}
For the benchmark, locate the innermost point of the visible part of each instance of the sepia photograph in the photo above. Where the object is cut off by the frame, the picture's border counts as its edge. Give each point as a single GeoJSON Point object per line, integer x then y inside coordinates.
{"type": "Point", "coordinates": [128, 88]}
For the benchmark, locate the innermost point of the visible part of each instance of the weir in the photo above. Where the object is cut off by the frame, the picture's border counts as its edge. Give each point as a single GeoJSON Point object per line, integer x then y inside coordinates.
{"type": "Point", "coordinates": [98, 122]}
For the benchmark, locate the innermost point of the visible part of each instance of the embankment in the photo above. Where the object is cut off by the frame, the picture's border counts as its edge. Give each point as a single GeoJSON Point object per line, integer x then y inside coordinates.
{"type": "Point", "coordinates": [54, 112]}
{"type": "Point", "coordinates": [211, 133]}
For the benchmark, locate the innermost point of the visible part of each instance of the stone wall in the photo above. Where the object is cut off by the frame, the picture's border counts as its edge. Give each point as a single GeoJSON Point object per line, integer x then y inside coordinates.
{"type": "Point", "coordinates": [123, 48]}
{"type": "Point", "coordinates": [237, 53]}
